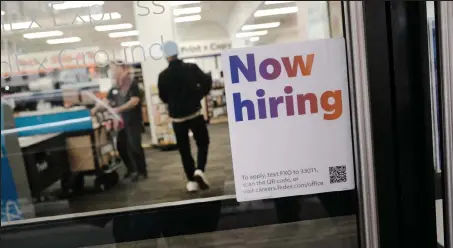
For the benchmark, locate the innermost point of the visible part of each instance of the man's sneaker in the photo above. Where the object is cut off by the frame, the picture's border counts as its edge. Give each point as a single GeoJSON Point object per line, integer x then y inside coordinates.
{"type": "Point", "coordinates": [201, 179]}
{"type": "Point", "coordinates": [192, 186]}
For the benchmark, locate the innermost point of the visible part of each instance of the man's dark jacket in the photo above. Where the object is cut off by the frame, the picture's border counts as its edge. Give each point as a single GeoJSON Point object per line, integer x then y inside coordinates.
{"type": "Point", "coordinates": [182, 86]}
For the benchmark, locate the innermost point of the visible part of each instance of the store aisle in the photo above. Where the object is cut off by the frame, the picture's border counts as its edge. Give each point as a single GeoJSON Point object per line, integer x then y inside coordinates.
{"type": "Point", "coordinates": [166, 182]}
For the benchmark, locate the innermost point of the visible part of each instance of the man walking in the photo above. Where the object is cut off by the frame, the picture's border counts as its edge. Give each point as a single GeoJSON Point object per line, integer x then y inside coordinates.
{"type": "Point", "coordinates": [182, 86]}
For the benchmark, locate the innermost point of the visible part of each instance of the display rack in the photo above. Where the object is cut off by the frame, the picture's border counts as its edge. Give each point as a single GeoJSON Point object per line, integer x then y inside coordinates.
{"type": "Point", "coordinates": [164, 130]}
{"type": "Point", "coordinates": [216, 102]}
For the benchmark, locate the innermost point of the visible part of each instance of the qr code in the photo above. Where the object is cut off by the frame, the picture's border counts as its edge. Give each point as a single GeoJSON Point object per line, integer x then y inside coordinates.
{"type": "Point", "coordinates": [338, 174]}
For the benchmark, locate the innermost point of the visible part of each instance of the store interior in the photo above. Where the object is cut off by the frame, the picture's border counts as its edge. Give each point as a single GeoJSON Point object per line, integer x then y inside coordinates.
{"type": "Point", "coordinates": [44, 42]}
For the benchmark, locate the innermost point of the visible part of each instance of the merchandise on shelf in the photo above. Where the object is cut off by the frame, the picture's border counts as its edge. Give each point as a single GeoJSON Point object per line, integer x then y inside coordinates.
{"type": "Point", "coordinates": [217, 102]}
{"type": "Point", "coordinates": [164, 129]}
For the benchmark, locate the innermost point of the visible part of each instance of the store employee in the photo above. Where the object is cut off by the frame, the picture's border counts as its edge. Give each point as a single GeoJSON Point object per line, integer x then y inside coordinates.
{"type": "Point", "coordinates": [124, 97]}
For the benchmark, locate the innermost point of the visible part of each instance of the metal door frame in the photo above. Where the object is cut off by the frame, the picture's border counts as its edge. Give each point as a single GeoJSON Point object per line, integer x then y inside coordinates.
{"type": "Point", "coordinates": [377, 96]}
{"type": "Point", "coordinates": [354, 34]}
{"type": "Point", "coordinates": [444, 18]}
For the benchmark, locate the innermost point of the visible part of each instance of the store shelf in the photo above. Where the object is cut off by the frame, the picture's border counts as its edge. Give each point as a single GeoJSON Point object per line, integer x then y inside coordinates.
{"type": "Point", "coordinates": [216, 99]}
{"type": "Point", "coordinates": [163, 127]}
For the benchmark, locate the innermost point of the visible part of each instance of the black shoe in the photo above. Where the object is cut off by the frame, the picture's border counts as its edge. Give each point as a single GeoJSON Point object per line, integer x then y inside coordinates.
{"type": "Point", "coordinates": [135, 177]}
{"type": "Point", "coordinates": [128, 175]}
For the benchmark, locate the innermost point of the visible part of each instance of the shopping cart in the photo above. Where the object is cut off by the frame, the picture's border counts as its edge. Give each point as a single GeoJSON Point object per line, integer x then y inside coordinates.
{"type": "Point", "coordinates": [106, 150]}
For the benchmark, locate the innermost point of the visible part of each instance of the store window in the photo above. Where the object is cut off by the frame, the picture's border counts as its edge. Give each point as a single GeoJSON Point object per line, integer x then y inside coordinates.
{"type": "Point", "coordinates": [61, 60]}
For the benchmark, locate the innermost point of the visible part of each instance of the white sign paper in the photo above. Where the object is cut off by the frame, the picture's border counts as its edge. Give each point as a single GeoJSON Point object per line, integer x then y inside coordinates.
{"type": "Point", "coordinates": [289, 120]}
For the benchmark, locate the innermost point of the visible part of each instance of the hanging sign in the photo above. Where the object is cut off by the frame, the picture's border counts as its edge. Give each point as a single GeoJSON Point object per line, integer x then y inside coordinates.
{"type": "Point", "coordinates": [203, 48]}
{"type": "Point", "coordinates": [289, 120]}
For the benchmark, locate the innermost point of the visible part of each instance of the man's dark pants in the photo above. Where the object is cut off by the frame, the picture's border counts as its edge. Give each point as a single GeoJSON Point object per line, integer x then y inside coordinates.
{"type": "Point", "coordinates": [201, 135]}
{"type": "Point", "coordinates": [129, 145]}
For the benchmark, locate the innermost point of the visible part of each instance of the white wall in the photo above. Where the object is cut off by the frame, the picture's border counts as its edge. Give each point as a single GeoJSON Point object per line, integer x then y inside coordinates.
{"type": "Point", "coordinates": [286, 38]}
{"type": "Point", "coordinates": [205, 31]}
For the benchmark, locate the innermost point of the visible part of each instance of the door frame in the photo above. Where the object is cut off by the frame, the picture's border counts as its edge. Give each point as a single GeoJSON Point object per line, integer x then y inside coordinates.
{"type": "Point", "coordinates": [444, 23]}
{"type": "Point", "coordinates": [391, 157]}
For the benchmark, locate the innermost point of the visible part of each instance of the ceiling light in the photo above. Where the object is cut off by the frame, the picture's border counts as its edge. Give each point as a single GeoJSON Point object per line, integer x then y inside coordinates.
{"type": "Point", "coordinates": [74, 4]}
{"type": "Point", "coordinates": [19, 25]}
{"type": "Point", "coordinates": [113, 27]}
{"type": "Point", "coordinates": [124, 34]}
{"type": "Point", "coordinates": [3, 12]}
{"type": "Point", "coordinates": [43, 34]}
{"type": "Point", "coordinates": [63, 40]}
{"type": "Point", "coordinates": [187, 11]}
{"type": "Point", "coordinates": [256, 38]}
{"type": "Point", "coordinates": [130, 43]}
{"type": "Point", "coordinates": [277, 2]}
{"type": "Point", "coordinates": [191, 18]}
{"type": "Point", "coordinates": [179, 3]}
{"type": "Point", "coordinates": [97, 17]}
{"type": "Point", "coordinates": [251, 34]}
{"type": "Point", "coordinates": [278, 11]}
{"type": "Point", "coordinates": [260, 26]}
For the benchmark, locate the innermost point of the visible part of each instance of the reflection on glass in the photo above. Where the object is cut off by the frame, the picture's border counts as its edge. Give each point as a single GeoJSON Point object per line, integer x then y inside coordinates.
{"type": "Point", "coordinates": [65, 158]}
{"type": "Point", "coordinates": [435, 112]}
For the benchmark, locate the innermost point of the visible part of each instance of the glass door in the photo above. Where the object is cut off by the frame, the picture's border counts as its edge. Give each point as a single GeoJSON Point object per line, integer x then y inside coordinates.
{"type": "Point", "coordinates": [296, 159]}
{"type": "Point", "coordinates": [156, 210]}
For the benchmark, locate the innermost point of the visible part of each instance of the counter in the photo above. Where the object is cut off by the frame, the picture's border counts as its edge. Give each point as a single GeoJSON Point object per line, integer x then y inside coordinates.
{"type": "Point", "coordinates": [46, 161]}
{"type": "Point", "coordinates": [54, 120]}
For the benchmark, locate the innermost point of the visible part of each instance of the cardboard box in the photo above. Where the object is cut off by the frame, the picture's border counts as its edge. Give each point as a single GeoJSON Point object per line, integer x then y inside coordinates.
{"type": "Point", "coordinates": [80, 153]}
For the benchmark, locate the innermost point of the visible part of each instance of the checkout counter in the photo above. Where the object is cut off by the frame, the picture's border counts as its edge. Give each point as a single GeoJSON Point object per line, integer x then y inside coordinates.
{"type": "Point", "coordinates": [46, 160]}
{"type": "Point", "coordinates": [59, 144]}
{"type": "Point", "coordinates": [43, 141]}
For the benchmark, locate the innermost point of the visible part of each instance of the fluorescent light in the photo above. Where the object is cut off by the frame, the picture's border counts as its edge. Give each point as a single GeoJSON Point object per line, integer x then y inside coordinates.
{"type": "Point", "coordinates": [19, 25]}
{"type": "Point", "coordinates": [277, 2]}
{"type": "Point", "coordinates": [74, 4]}
{"type": "Point", "coordinates": [256, 38]}
{"type": "Point", "coordinates": [278, 11]}
{"type": "Point", "coordinates": [97, 17]}
{"type": "Point", "coordinates": [3, 12]}
{"type": "Point", "coordinates": [43, 34]}
{"type": "Point", "coordinates": [130, 43]}
{"type": "Point", "coordinates": [63, 40]}
{"type": "Point", "coordinates": [124, 34]}
{"type": "Point", "coordinates": [260, 26]}
{"type": "Point", "coordinates": [179, 3]}
{"type": "Point", "coordinates": [191, 18]}
{"type": "Point", "coordinates": [251, 34]}
{"type": "Point", "coordinates": [187, 11]}
{"type": "Point", "coordinates": [113, 27]}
